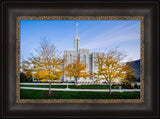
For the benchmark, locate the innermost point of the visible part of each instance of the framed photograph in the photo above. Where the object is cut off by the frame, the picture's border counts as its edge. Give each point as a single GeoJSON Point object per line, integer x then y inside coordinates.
{"type": "Point", "coordinates": [80, 59]}
{"type": "Point", "coordinates": [69, 75]}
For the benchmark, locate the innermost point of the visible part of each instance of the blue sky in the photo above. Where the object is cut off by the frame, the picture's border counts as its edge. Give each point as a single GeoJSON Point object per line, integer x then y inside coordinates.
{"type": "Point", "coordinates": [96, 35]}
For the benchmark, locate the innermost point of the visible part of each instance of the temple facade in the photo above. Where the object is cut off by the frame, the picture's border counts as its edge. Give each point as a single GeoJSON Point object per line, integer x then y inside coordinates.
{"type": "Point", "coordinates": [81, 54]}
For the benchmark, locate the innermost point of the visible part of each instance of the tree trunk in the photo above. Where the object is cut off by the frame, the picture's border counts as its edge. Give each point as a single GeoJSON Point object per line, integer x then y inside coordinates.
{"type": "Point", "coordinates": [110, 89]}
{"type": "Point", "coordinates": [49, 87]}
{"type": "Point", "coordinates": [76, 83]}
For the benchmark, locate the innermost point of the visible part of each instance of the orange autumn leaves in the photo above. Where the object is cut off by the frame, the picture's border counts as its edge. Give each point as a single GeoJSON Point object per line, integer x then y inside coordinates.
{"type": "Point", "coordinates": [77, 69]}
{"type": "Point", "coordinates": [110, 67]}
{"type": "Point", "coordinates": [46, 65]}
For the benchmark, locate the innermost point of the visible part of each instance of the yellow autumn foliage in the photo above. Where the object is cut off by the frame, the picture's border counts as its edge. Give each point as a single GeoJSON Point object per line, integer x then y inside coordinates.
{"type": "Point", "coordinates": [45, 66]}
{"type": "Point", "coordinates": [111, 67]}
{"type": "Point", "coordinates": [76, 69]}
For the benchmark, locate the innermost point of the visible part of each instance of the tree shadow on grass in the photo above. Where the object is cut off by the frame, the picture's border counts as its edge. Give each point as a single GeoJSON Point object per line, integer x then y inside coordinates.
{"type": "Point", "coordinates": [47, 94]}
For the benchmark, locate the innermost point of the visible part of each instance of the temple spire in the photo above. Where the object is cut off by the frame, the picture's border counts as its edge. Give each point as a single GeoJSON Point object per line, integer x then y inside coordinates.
{"type": "Point", "coordinates": [77, 29]}
{"type": "Point", "coordinates": [76, 40]}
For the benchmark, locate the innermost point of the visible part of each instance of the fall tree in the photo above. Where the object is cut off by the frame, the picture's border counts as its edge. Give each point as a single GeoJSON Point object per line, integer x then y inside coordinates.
{"type": "Point", "coordinates": [26, 68]}
{"type": "Point", "coordinates": [130, 77]}
{"type": "Point", "coordinates": [110, 67]}
{"type": "Point", "coordinates": [76, 69]}
{"type": "Point", "coordinates": [129, 80]}
{"type": "Point", "coordinates": [45, 65]}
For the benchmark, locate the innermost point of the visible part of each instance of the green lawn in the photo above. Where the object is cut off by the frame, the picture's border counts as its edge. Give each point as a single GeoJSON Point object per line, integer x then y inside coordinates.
{"type": "Point", "coordinates": [38, 94]}
{"type": "Point", "coordinates": [73, 86]}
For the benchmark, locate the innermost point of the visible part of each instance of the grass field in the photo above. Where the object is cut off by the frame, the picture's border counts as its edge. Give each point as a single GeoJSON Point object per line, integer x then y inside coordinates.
{"type": "Point", "coordinates": [38, 94]}
{"type": "Point", "coordinates": [74, 87]}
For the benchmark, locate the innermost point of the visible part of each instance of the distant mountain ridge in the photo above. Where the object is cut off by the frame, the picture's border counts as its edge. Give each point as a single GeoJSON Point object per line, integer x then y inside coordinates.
{"type": "Point", "coordinates": [136, 67]}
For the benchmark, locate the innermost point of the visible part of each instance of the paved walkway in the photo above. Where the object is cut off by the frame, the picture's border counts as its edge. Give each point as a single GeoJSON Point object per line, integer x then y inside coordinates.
{"type": "Point", "coordinates": [59, 84]}
{"type": "Point", "coordinates": [46, 84]}
{"type": "Point", "coordinates": [90, 90]}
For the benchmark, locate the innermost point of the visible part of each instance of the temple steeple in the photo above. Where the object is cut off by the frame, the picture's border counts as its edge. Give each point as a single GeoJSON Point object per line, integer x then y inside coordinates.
{"type": "Point", "coordinates": [76, 40]}
{"type": "Point", "coordinates": [76, 29]}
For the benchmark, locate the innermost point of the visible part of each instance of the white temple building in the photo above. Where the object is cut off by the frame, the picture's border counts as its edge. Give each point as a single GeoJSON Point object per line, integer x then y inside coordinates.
{"type": "Point", "coordinates": [82, 54]}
